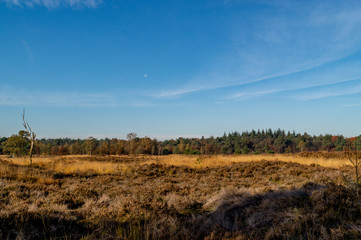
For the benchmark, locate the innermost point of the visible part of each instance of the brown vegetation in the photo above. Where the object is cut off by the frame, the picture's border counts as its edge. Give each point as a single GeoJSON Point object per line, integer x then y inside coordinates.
{"type": "Point", "coordinates": [155, 198]}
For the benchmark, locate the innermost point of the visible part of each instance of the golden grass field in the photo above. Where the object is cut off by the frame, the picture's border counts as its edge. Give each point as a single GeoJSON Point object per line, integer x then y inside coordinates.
{"type": "Point", "coordinates": [112, 164]}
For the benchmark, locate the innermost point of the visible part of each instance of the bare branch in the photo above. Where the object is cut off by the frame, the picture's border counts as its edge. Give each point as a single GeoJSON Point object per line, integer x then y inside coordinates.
{"type": "Point", "coordinates": [31, 136]}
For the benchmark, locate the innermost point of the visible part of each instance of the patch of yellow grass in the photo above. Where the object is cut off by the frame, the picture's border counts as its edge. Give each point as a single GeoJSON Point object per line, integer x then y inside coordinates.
{"type": "Point", "coordinates": [71, 164]}
{"type": "Point", "coordinates": [88, 166]}
{"type": "Point", "coordinates": [102, 165]}
{"type": "Point", "coordinates": [220, 160]}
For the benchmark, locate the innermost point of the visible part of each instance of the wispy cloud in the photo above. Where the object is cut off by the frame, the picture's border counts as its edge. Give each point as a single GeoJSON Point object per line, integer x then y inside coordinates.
{"type": "Point", "coordinates": [52, 4]}
{"type": "Point", "coordinates": [287, 39]}
{"type": "Point", "coordinates": [10, 97]}
{"type": "Point", "coordinates": [343, 74]}
{"type": "Point", "coordinates": [331, 90]}
{"type": "Point", "coordinates": [13, 97]}
{"type": "Point", "coordinates": [352, 105]}
{"type": "Point", "coordinates": [28, 50]}
{"type": "Point", "coordinates": [201, 86]}
{"type": "Point", "coordinates": [248, 95]}
{"type": "Point", "coordinates": [171, 93]}
{"type": "Point", "coordinates": [305, 80]}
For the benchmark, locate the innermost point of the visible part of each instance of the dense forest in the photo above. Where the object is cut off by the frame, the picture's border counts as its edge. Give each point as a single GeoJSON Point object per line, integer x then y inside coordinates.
{"type": "Point", "coordinates": [261, 141]}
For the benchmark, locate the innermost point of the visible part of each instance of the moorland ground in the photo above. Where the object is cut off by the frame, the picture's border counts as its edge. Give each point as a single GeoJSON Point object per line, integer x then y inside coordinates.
{"type": "Point", "coordinates": [303, 196]}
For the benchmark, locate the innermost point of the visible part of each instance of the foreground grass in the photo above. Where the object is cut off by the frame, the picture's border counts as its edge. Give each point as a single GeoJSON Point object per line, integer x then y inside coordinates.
{"type": "Point", "coordinates": [176, 197]}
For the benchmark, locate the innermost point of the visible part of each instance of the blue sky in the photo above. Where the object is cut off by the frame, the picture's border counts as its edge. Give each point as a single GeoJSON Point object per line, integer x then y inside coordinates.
{"type": "Point", "coordinates": [166, 69]}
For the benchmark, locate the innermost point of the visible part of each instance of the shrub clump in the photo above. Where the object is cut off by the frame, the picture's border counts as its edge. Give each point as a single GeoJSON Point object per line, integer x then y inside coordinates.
{"type": "Point", "coordinates": [311, 212]}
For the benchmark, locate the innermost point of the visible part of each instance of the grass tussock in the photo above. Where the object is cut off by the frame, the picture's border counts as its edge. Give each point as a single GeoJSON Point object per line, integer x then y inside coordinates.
{"type": "Point", "coordinates": [146, 198]}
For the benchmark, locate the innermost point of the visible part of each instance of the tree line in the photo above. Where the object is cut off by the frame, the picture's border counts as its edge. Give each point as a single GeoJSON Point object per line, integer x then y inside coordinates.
{"type": "Point", "coordinates": [248, 142]}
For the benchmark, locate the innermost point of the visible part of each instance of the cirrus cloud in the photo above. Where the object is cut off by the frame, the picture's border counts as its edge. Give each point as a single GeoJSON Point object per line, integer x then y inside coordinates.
{"type": "Point", "coordinates": [52, 4]}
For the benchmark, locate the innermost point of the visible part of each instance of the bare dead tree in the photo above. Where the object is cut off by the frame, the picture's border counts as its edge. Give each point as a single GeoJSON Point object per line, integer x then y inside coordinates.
{"type": "Point", "coordinates": [31, 136]}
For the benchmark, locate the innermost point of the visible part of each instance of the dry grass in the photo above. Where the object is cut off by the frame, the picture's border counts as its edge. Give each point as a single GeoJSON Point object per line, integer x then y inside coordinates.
{"type": "Point", "coordinates": [219, 160]}
{"type": "Point", "coordinates": [72, 164]}
{"type": "Point", "coordinates": [117, 164]}
{"type": "Point", "coordinates": [178, 197]}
